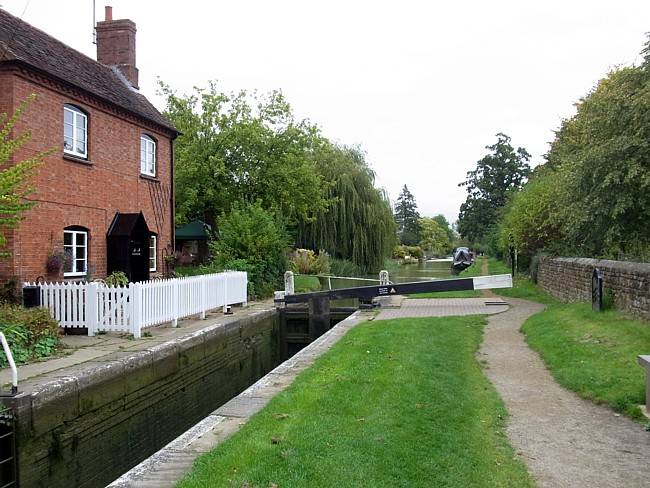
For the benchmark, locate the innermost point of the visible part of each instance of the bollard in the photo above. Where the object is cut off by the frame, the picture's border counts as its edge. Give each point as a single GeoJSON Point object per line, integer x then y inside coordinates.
{"type": "Point", "coordinates": [289, 288]}
{"type": "Point", "coordinates": [384, 279]}
{"type": "Point", "coordinates": [597, 290]}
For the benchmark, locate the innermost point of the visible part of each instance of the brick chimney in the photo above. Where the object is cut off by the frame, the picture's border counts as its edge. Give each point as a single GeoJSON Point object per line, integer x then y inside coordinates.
{"type": "Point", "coordinates": [116, 45]}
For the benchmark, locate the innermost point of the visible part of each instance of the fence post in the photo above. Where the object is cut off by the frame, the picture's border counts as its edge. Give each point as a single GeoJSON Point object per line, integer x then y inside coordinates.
{"type": "Point", "coordinates": [225, 293]}
{"type": "Point", "coordinates": [175, 303]}
{"type": "Point", "coordinates": [135, 293]}
{"type": "Point", "coordinates": [245, 304]}
{"type": "Point", "coordinates": [90, 307]}
{"type": "Point", "coordinates": [203, 298]}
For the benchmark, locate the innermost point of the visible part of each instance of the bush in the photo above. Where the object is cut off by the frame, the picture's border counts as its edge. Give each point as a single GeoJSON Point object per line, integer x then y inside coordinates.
{"type": "Point", "coordinates": [254, 240]}
{"type": "Point", "coordinates": [31, 333]}
{"type": "Point", "coordinates": [344, 267]}
{"type": "Point", "coordinates": [306, 261]}
{"type": "Point", "coordinates": [403, 252]}
{"type": "Point", "coordinates": [117, 278]}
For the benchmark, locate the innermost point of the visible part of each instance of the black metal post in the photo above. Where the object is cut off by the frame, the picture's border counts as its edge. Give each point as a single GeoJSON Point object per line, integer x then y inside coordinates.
{"type": "Point", "coordinates": [319, 316]}
{"type": "Point", "coordinates": [597, 290]}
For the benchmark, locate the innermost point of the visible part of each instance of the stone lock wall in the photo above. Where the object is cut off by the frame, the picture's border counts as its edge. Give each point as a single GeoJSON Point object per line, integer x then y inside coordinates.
{"type": "Point", "coordinates": [569, 280]}
{"type": "Point", "coordinates": [87, 427]}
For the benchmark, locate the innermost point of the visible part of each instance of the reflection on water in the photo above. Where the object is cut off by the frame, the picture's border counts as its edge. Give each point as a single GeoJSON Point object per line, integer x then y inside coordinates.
{"type": "Point", "coordinates": [403, 274]}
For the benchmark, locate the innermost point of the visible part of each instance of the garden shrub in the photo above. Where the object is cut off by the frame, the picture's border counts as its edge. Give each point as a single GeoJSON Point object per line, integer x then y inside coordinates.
{"type": "Point", "coordinates": [117, 278]}
{"type": "Point", "coordinates": [404, 251]}
{"type": "Point", "coordinates": [254, 240]}
{"type": "Point", "coordinates": [306, 261]}
{"type": "Point", "coordinates": [31, 333]}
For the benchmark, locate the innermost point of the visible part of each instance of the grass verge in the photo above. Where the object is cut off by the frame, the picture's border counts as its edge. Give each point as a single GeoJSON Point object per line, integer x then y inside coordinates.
{"type": "Point", "coordinates": [473, 270]}
{"type": "Point", "coordinates": [591, 353]}
{"type": "Point", "coordinates": [394, 403]}
{"type": "Point", "coordinates": [305, 283]}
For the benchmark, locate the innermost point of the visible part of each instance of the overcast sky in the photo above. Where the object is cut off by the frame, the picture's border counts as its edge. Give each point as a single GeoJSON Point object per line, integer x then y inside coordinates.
{"type": "Point", "coordinates": [422, 86]}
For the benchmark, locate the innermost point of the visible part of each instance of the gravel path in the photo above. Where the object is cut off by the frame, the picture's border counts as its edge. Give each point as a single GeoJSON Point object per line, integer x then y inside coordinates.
{"type": "Point", "coordinates": [565, 441]}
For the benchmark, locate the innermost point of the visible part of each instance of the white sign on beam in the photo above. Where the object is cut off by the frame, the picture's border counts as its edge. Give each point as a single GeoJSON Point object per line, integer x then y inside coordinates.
{"type": "Point", "coordinates": [495, 281]}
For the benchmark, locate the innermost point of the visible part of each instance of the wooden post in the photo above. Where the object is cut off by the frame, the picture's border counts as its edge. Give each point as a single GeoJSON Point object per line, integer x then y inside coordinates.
{"type": "Point", "coordinates": [175, 285]}
{"type": "Point", "coordinates": [203, 297]}
{"type": "Point", "coordinates": [91, 308]}
{"type": "Point", "coordinates": [135, 292]}
{"type": "Point", "coordinates": [319, 317]}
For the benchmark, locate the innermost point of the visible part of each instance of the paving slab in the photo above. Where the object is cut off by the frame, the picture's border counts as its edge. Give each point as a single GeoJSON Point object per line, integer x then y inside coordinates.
{"type": "Point", "coordinates": [443, 307]}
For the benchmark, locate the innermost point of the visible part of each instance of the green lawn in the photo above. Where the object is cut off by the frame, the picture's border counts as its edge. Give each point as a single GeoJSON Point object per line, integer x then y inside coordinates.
{"type": "Point", "coordinates": [473, 270]}
{"type": "Point", "coordinates": [394, 403]}
{"type": "Point", "coordinates": [305, 283]}
{"type": "Point", "coordinates": [591, 353]}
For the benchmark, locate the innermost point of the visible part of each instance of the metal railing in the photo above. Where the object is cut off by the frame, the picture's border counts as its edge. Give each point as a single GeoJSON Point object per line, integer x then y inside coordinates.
{"type": "Point", "coordinates": [12, 364]}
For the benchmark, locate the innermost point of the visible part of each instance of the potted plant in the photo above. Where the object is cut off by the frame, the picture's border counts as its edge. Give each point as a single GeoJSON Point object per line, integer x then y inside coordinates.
{"type": "Point", "coordinates": [57, 261]}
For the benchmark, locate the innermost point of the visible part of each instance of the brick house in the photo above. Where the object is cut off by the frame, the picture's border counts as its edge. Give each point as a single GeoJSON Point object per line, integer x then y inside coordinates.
{"type": "Point", "coordinates": [104, 197]}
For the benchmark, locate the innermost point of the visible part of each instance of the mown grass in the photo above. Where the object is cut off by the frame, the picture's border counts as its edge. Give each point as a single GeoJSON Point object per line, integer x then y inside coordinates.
{"type": "Point", "coordinates": [591, 353]}
{"type": "Point", "coordinates": [523, 287]}
{"type": "Point", "coordinates": [473, 270]}
{"type": "Point", "coordinates": [394, 403]}
{"type": "Point", "coordinates": [306, 283]}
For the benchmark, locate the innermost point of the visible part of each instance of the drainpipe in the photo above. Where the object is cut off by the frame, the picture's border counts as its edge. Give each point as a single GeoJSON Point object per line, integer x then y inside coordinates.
{"type": "Point", "coordinates": [172, 193]}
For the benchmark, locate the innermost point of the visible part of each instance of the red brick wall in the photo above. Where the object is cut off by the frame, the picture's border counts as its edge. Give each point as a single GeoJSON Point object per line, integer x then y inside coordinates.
{"type": "Point", "coordinates": [75, 193]}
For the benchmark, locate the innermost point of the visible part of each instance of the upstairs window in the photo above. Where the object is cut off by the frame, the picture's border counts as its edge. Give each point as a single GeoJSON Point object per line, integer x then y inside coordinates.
{"type": "Point", "coordinates": [147, 156]}
{"type": "Point", "coordinates": [75, 132]}
{"type": "Point", "coordinates": [75, 246]}
{"type": "Point", "coordinates": [152, 253]}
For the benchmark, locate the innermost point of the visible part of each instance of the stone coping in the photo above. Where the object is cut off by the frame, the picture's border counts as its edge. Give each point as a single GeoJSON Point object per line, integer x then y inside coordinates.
{"type": "Point", "coordinates": [104, 357]}
{"type": "Point", "coordinates": [172, 462]}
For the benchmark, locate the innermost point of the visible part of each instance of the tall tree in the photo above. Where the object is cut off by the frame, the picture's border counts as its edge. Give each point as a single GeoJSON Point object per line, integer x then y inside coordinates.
{"type": "Point", "coordinates": [14, 179]}
{"type": "Point", "coordinates": [444, 223]}
{"type": "Point", "coordinates": [242, 148]}
{"type": "Point", "coordinates": [434, 236]}
{"type": "Point", "coordinates": [358, 223]}
{"type": "Point", "coordinates": [498, 174]}
{"type": "Point", "coordinates": [407, 218]}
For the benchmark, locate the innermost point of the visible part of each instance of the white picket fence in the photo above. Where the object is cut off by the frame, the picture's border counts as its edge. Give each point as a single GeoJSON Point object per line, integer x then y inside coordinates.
{"type": "Point", "coordinates": [138, 305]}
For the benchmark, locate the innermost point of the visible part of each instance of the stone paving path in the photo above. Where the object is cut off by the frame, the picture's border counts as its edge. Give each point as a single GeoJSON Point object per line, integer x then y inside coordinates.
{"type": "Point", "coordinates": [444, 307]}
{"type": "Point", "coordinates": [564, 440]}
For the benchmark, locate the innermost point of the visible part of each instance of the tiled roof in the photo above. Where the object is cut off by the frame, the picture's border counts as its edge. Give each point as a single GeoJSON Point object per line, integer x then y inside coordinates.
{"type": "Point", "coordinates": [21, 42]}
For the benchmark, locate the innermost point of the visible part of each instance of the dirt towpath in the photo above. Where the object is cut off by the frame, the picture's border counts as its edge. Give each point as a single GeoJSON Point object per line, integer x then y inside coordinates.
{"type": "Point", "coordinates": [565, 441]}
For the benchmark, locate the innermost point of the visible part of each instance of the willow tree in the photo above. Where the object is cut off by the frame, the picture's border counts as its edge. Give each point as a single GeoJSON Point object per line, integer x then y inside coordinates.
{"type": "Point", "coordinates": [358, 222]}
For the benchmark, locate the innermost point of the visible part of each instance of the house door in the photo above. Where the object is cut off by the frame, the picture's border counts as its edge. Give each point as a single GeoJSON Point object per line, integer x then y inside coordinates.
{"type": "Point", "coordinates": [139, 257]}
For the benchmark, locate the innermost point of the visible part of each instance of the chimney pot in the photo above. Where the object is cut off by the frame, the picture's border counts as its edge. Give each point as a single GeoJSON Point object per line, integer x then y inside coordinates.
{"type": "Point", "coordinates": [108, 13]}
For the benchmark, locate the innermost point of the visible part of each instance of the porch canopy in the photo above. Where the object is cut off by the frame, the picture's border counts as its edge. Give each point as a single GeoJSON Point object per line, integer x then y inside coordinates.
{"type": "Point", "coordinates": [127, 245]}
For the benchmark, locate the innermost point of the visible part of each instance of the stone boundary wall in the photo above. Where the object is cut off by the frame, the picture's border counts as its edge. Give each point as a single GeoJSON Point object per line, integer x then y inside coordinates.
{"type": "Point", "coordinates": [569, 280]}
{"type": "Point", "coordinates": [86, 426]}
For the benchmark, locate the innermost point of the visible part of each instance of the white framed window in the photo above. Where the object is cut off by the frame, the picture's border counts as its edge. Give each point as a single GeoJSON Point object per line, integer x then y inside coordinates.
{"type": "Point", "coordinates": [152, 253]}
{"type": "Point", "coordinates": [147, 156]}
{"type": "Point", "coordinates": [75, 131]}
{"type": "Point", "coordinates": [75, 246]}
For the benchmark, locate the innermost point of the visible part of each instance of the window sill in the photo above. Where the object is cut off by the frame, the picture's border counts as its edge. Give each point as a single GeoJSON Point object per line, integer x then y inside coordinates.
{"type": "Point", "coordinates": [76, 159]}
{"type": "Point", "coordinates": [74, 277]}
{"type": "Point", "coordinates": [149, 178]}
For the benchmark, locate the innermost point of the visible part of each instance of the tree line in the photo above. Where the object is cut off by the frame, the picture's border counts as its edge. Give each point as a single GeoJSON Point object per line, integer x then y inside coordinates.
{"type": "Point", "coordinates": [266, 181]}
{"type": "Point", "coordinates": [590, 197]}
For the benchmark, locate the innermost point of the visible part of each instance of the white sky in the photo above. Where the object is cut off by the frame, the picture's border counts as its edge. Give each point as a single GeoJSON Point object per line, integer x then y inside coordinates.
{"type": "Point", "coordinates": [422, 86]}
